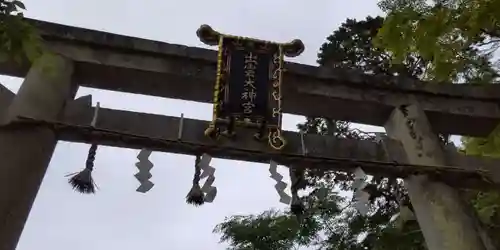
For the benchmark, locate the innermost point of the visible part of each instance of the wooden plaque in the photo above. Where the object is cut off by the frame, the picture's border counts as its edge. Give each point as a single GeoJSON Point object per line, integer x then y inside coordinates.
{"type": "Point", "coordinates": [248, 85]}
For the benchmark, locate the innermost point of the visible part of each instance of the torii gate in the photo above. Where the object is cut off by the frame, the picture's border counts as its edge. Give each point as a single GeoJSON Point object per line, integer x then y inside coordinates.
{"type": "Point", "coordinates": [43, 112]}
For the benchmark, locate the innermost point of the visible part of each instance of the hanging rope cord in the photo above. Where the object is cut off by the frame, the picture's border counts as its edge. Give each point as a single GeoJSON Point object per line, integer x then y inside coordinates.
{"type": "Point", "coordinates": [197, 170]}
{"type": "Point", "coordinates": [297, 178]}
{"type": "Point", "coordinates": [89, 164]}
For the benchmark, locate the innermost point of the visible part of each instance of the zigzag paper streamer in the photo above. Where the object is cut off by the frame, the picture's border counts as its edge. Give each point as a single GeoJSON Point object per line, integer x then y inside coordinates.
{"type": "Point", "coordinates": [360, 197]}
{"type": "Point", "coordinates": [359, 182]}
{"type": "Point", "coordinates": [144, 165]}
{"type": "Point", "coordinates": [280, 184]}
{"type": "Point", "coordinates": [209, 173]}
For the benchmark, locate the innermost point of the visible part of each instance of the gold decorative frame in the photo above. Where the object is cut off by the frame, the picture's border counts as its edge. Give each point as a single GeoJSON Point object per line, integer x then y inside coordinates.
{"type": "Point", "coordinates": [274, 134]}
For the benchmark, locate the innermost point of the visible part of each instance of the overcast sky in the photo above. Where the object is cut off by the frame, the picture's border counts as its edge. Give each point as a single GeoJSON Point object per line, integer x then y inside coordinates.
{"type": "Point", "coordinates": [117, 217]}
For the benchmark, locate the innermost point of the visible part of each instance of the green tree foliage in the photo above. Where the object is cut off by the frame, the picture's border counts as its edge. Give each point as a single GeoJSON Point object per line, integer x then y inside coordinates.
{"type": "Point", "coordinates": [443, 32]}
{"type": "Point", "coordinates": [487, 204]}
{"type": "Point", "coordinates": [448, 33]}
{"type": "Point", "coordinates": [18, 39]}
{"type": "Point", "coordinates": [278, 230]}
{"type": "Point", "coordinates": [332, 223]}
{"type": "Point", "coordinates": [357, 52]}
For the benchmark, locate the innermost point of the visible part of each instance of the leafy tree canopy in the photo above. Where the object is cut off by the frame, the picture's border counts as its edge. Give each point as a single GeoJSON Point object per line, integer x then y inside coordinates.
{"type": "Point", "coordinates": [18, 39]}
{"type": "Point", "coordinates": [332, 223]}
{"type": "Point", "coordinates": [443, 32]}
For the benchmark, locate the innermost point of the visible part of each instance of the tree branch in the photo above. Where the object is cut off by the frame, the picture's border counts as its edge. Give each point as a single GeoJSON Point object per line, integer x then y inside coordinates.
{"type": "Point", "coordinates": [492, 33]}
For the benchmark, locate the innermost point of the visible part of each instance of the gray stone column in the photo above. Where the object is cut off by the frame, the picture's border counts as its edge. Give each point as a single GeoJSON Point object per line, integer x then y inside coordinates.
{"type": "Point", "coordinates": [442, 215]}
{"type": "Point", "coordinates": [25, 153]}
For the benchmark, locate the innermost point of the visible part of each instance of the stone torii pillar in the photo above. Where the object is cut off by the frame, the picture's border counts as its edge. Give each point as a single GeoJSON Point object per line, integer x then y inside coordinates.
{"type": "Point", "coordinates": [444, 218]}
{"type": "Point", "coordinates": [25, 153]}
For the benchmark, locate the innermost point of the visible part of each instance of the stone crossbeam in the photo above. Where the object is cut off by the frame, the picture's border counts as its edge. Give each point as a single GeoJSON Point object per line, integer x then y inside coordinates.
{"type": "Point", "coordinates": [160, 133]}
{"type": "Point", "coordinates": [128, 64]}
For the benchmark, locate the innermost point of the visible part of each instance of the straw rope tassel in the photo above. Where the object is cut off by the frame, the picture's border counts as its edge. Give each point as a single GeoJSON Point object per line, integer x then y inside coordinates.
{"type": "Point", "coordinates": [82, 181]}
{"type": "Point", "coordinates": [196, 196]}
{"type": "Point", "coordinates": [297, 179]}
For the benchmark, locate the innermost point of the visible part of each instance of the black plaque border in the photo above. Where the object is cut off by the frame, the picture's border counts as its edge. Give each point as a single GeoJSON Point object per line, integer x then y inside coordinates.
{"type": "Point", "coordinates": [221, 89]}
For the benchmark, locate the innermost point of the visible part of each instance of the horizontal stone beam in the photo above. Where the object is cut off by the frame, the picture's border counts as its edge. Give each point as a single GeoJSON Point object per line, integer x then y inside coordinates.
{"type": "Point", "coordinates": [160, 133]}
{"type": "Point", "coordinates": [129, 64]}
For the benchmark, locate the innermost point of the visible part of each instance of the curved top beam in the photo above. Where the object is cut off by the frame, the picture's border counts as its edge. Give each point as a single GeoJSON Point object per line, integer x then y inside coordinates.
{"type": "Point", "coordinates": [211, 37]}
{"type": "Point", "coordinates": [135, 65]}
